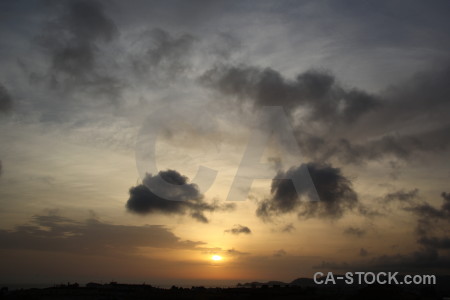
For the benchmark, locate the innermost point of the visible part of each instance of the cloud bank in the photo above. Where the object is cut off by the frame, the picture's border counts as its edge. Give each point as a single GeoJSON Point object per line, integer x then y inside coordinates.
{"type": "Point", "coordinates": [336, 194]}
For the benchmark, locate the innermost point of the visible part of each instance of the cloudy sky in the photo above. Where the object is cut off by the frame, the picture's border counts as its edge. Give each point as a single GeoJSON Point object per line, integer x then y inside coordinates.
{"type": "Point", "coordinates": [139, 139]}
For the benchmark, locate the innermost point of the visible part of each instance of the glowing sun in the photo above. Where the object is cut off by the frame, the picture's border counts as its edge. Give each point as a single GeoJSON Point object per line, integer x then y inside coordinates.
{"type": "Point", "coordinates": [216, 257]}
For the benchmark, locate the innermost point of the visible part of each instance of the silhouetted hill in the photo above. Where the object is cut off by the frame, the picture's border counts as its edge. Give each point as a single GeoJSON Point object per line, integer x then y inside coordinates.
{"type": "Point", "coordinates": [272, 283]}
{"type": "Point", "coordinates": [303, 282]}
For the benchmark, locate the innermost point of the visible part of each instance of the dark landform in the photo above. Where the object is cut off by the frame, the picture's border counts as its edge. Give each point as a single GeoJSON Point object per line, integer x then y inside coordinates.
{"type": "Point", "coordinates": [301, 288]}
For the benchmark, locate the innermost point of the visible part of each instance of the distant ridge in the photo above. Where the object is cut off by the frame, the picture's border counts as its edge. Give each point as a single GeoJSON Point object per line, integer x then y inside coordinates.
{"type": "Point", "coordinates": [272, 283]}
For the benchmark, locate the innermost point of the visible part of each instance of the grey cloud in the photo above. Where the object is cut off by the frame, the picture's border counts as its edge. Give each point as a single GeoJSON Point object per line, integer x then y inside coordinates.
{"type": "Point", "coordinates": [73, 41]}
{"type": "Point", "coordinates": [355, 231]}
{"type": "Point", "coordinates": [357, 153]}
{"type": "Point", "coordinates": [390, 145]}
{"type": "Point", "coordinates": [5, 99]}
{"type": "Point", "coordinates": [427, 211]}
{"type": "Point", "coordinates": [91, 237]}
{"type": "Point", "coordinates": [288, 228]}
{"type": "Point", "coordinates": [81, 38]}
{"type": "Point", "coordinates": [185, 197]}
{"type": "Point", "coordinates": [367, 211]}
{"type": "Point", "coordinates": [334, 189]}
{"type": "Point", "coordinates": [199, 216]}
{"type": "Point", "coordinates": [72, 36]}
{"type": "Point", "coordinates": [435, 242]}
{"type": "Point", "coordinates": [394, 145]}
{"type": "Point", "coordinates": [431, 222]}
{"type": "Point", "coordinates": [238, 229]}
{"type": "Point", "coordinates": [326, 102]}
{"type": "Point", "coordinates": [315, 90]}
{"type": "Point", "coordinates": [402, 196]}
{"type": "Point", "coordinates": [421, 99]}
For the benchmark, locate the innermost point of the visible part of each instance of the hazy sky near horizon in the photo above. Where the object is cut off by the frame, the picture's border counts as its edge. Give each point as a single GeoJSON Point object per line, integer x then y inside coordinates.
{"type": "Point", "coordinates": [363, 85]}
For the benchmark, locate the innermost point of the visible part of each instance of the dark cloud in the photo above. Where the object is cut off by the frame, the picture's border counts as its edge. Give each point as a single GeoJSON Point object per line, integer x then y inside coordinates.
{"type": "Point", "coordinates": [390, 145]}
{"type": "Point", "coordinates": [91, 237]}
{"type": "Point", "coordinates": [424, 99]}
{"type": "Point", "coordinates": [355, 231]}
{"type": "Point", "coordinates": [336, 109]}
{"type": "Point", "coordinates": [5, 99]}
{"type": "Point", "coordinates": [336, 195]}
{"type": "Point", "coordinates": [429, 212]}
{"type": "Point", "coordinates": [238, 229]}
{"type": "Point", "coordinates": [435, 242]}
{"type": "Point", "coordinates": [402, 196]}
{"type": "Point", "coordinates": [288, 228]}
{"type": "Point", "coordinates": [368, 212]}
{"type": "Point", "coordinates": [73, 41]}
{"type": "Point", "coordinates": [71, 37]}
{"type": "Point", "coordinates": [185, 197]}
{"type": "Point", "coordinates": [317, 91]}
{"type": "Point", "coordinates": [432, 223]}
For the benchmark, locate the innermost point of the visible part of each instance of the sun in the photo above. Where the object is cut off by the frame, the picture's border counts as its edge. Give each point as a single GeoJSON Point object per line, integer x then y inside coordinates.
{"type": "Point", "coordinates": [216, 257]}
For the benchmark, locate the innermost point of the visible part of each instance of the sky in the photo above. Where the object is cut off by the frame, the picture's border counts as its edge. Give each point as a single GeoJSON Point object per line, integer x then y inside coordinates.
{"type": "Point", "coordinates": [139, 139]}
